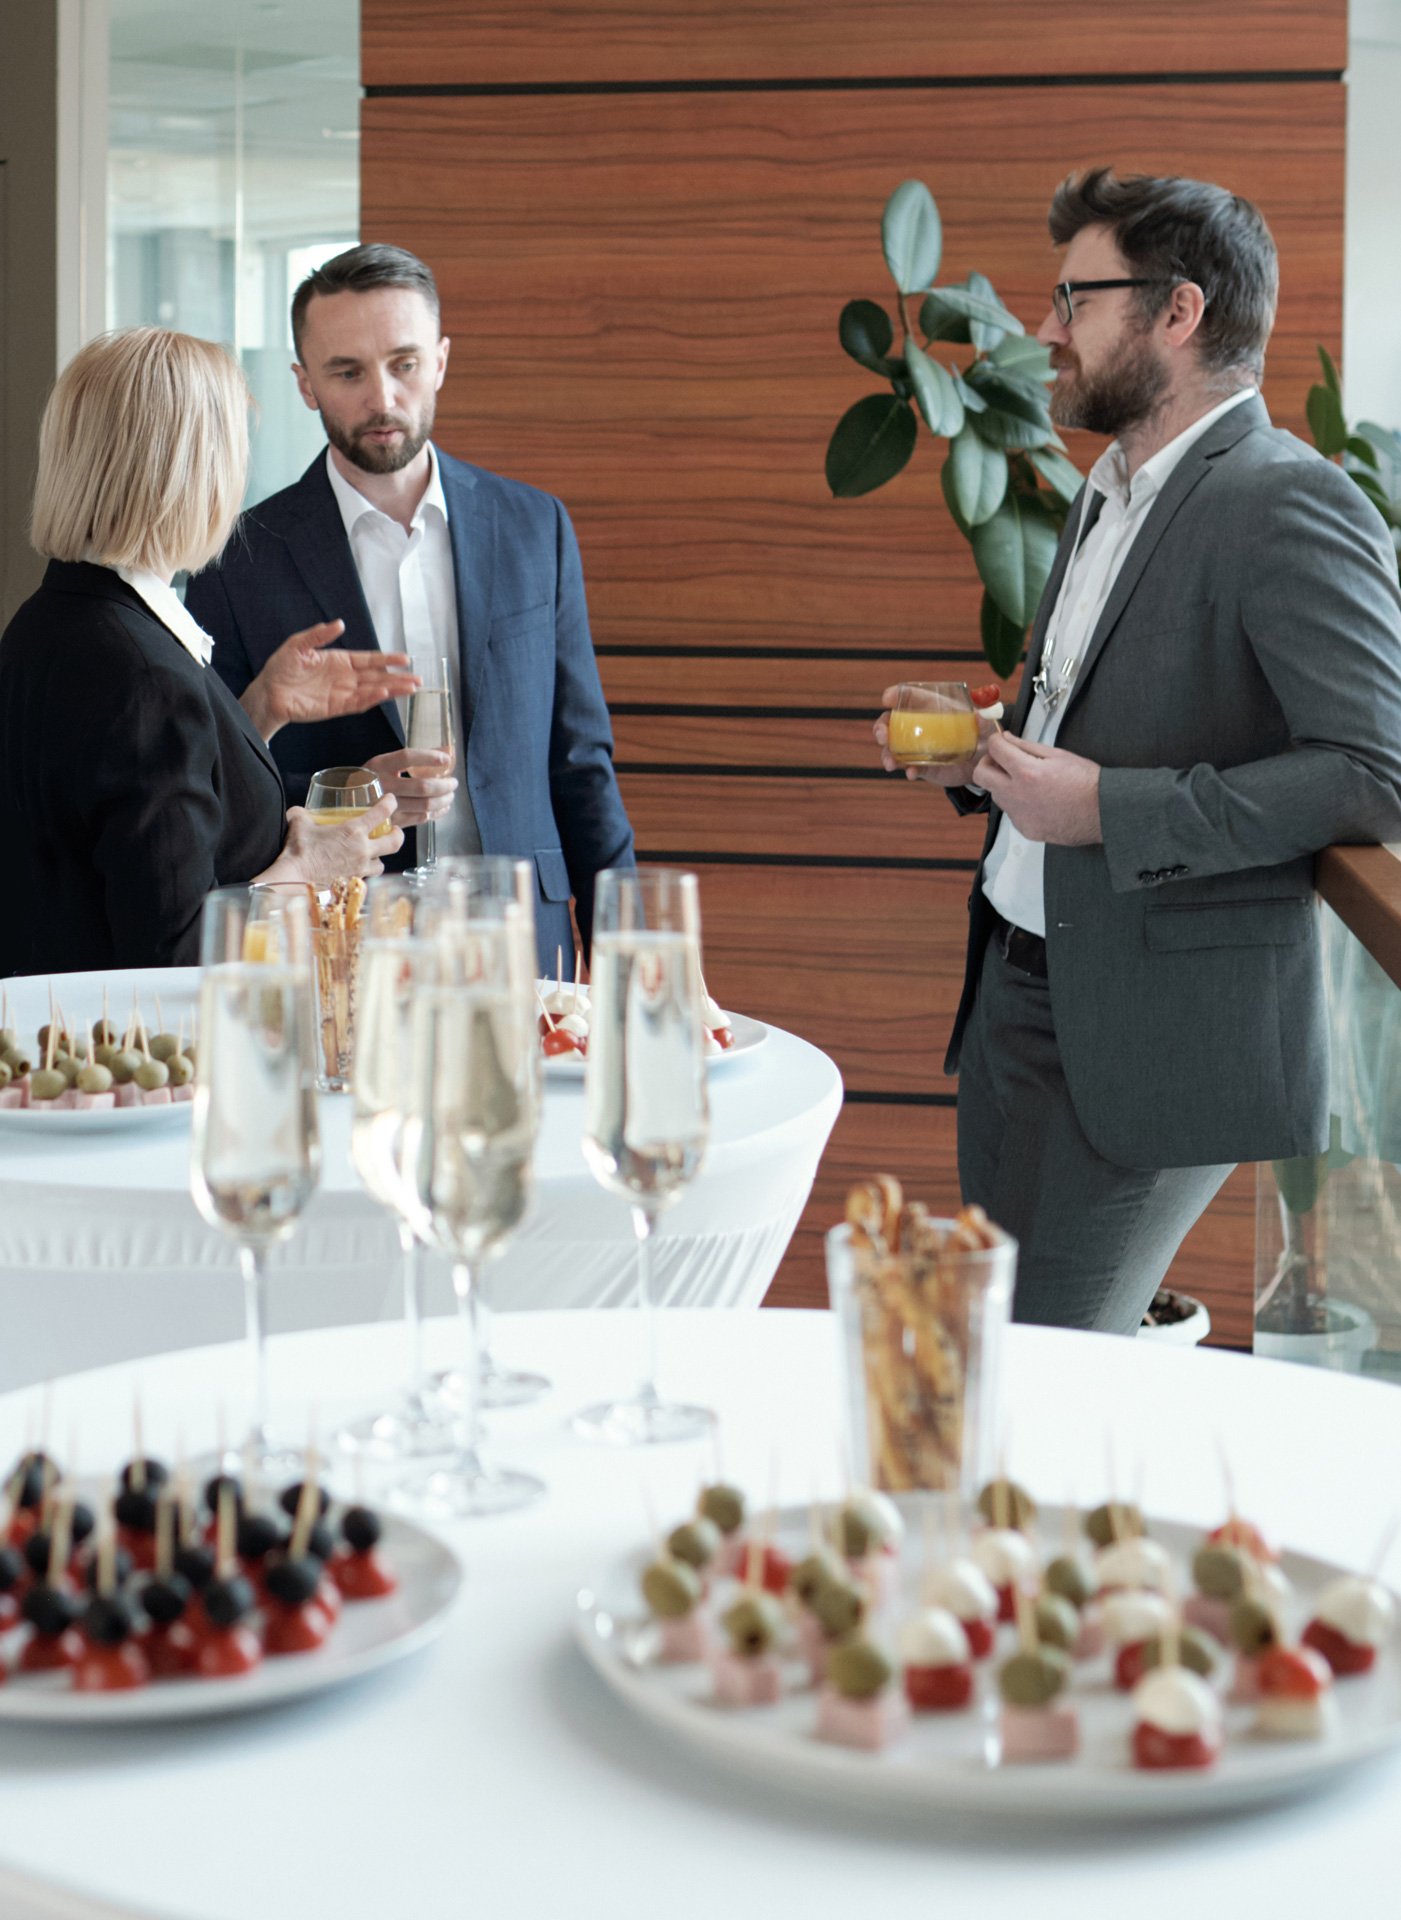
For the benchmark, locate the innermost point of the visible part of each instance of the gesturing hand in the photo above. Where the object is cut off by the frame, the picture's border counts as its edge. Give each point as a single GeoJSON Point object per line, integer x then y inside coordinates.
{"type": "Point", "coordinates": [309, 679]}
{"type": "Point", "coordinates": [1046, 793]}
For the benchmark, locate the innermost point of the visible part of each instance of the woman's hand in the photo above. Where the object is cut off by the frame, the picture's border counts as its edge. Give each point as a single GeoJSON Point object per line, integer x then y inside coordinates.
{"type": "Point", "coordinates": [419, 778]}
{"type": "Point", "coordinates": [321, 855]}
{"type": "Point", "coordinates": [309, 679]}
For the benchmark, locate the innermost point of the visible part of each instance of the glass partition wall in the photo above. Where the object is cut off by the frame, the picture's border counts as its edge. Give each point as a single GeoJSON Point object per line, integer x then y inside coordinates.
{"type": "Point", "coordinates": [1328, 1229]}
{"type": "Point", "coordinates": [233, 169]}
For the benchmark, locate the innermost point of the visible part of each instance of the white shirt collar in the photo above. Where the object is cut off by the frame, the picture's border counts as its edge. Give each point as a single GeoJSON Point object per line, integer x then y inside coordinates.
{"type": "Point", "coordinates": [166, 604]}
{"type": "Point", "coordinates": [1109, 473]}
{"type": "Point", "coordinates": [354, 506]}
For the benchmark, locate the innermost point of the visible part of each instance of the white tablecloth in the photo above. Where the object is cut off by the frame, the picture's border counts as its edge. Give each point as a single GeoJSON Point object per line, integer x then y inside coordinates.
{"type": "Point", "coordinates": [495, 1776]}
{"type": "Point", "coordinates": [103, 1256]}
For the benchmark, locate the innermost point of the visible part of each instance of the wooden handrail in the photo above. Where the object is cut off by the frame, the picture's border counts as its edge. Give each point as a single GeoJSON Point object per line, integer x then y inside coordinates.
{"type": "Point", "coordinates": [1363, 887]}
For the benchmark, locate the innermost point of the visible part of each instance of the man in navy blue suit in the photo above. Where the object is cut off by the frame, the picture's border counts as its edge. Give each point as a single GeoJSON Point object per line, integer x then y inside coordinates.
{"type": "Point", "coordinates": [386, 541]}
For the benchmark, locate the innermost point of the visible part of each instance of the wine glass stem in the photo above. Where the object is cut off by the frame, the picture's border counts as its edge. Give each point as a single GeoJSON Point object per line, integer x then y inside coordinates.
{"type": "Point", "coordinates": [411, 1267]}
{"type": "Point", "coordinates": [428, 844]}
{"type": "Point", "coordinates": [468, 1461]}
{"type": "Point", "coordinates": [643, 1224]}
{"type": "Point", "coordinates": [255, 1316]}
{"type": "Point", "coordinates": [481, 1307]}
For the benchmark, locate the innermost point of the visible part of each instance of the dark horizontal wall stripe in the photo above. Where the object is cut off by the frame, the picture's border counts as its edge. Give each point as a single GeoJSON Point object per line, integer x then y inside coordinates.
{"type": "Point", "coordinates": [614, 651]}
{"type": "Point", "coordinates": [452, 90]}
{"type": "Point", "coordinates": [677, 857]}
{"type": "Point", "coordinates": [704, 769]}
{"type": "Point", "coordinates": [867, 1098]}
{"type": "Point", "coordinates": [672, 708]}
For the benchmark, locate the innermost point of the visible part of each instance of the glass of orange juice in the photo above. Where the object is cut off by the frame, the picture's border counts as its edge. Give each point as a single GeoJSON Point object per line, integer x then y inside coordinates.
{"type": "Point", "coordinates": [344, 793]}
{"type": "Point", "coordinates": [933, 724]}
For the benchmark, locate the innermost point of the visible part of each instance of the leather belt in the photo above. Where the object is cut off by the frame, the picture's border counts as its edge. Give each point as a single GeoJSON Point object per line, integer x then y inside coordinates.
{"type": "Point", "coordinates": [1020, 949]}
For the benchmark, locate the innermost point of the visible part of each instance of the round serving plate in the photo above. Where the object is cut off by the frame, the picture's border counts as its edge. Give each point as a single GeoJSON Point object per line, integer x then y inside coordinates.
{"type": "Point", "coordinates": [949, 1762]}
{"type": "Point", "coordinates": [749, 1036]}
{"type": "Point", "coordinates": [369, 1634]}
{"type": "Point", "coordinates": [118, 1120]}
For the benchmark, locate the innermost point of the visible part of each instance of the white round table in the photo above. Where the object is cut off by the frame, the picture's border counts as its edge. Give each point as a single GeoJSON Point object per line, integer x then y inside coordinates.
{"type": "Point", "coordinates": [494, 1775]}
{"type": "Point", "coordinates": [103, 1256]}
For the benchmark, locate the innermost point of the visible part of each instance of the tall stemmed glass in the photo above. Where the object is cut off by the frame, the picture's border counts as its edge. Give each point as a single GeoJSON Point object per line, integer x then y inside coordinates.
{"type": "Point", "coordinates": [486, 886]}
{"type": "Point", "coordinates": [428, 723]}
{"type": "Point", "coordinates": [396, 952]}
{"type": "Point", "coordinates": [255, 1155]}
{"type": "Point", "coordinates": [466, 1161]}
{"type": "Point", "coordinates": [646, 1113]}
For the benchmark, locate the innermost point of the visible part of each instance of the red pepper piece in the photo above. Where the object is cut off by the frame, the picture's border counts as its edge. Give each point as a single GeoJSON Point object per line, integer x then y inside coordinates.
{"type": "Point", "coordinates": [1343, 1655]}
{"type": "Point", "coordinates": [939, 1689]}
{"type": "Point", "coordinates": [1156, 1750]}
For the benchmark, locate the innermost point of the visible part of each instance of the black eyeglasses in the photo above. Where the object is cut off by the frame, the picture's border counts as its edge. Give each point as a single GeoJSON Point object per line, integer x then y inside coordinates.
{"type": "Point", "coordinates": [1063, 295]}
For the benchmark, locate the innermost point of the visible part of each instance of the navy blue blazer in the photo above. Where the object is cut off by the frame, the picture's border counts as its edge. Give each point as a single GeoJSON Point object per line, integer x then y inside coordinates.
{"type": "Point", "coordinates": [539, 743]}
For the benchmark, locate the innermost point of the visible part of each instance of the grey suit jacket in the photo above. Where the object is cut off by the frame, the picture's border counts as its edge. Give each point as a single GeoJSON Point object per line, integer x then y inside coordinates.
{"type": "Point", "coordinates": [1242, 695]}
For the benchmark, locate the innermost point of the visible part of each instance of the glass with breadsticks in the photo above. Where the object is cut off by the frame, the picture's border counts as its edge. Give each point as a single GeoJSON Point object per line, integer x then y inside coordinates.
{"type": "Point", "coordinates": [335, 940]}
{"type": "Point", "coordinates": [922, 1303]}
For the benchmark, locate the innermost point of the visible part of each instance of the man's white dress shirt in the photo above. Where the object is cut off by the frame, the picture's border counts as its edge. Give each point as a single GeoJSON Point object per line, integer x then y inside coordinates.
{"type": "Point", "coordinates": [410, 589]}
{"type": "Point", "coordinates": [166, 604]}
{"type": "Point", "coordinates": [1013, 879]}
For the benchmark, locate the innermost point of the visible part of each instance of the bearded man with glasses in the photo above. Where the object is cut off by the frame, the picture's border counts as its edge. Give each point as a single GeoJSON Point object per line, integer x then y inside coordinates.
{"type": "Point", "coordinates": [1212, 694]}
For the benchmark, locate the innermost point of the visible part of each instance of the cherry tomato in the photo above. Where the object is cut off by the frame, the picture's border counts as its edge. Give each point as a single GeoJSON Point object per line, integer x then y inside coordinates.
{"type": "Point", "coordinates": [296, 1629]}
{"type": "Point", "coordinates": [362, 1576]}
{"type": "Point", "coordinates": [1006, 1603]}
{"type": "Point", "coordinates": [225, 1652]}
{"type": "Point", "coordinates": [1129, 1666]}
{"type": "Point", "coordinates": [939, 1689]}
{"type": "Point", "coordinates": [1343, 1655]}
{"type": "Point", "coordinates": [723, 1038]}
{"type": "Point", "coordinates": [171, 1649]}
{"type": "Point", "coordinates": [111, 1669]}
{"type": "Point", "coordinates": [1155, 1749]}
{"type": "Point", "coordinates": [559, 1042]}
{"type": "Point", "coordinates": [1247, 1536]}
{"type": "Point", "coordinates": [44, 1654]}
{"type": "Point", "coordinates": [1293, 1673]}
{"type": "Point", "coordinates": [987, 696]}
{"type": "Point", "coordinates": [982, 1637]}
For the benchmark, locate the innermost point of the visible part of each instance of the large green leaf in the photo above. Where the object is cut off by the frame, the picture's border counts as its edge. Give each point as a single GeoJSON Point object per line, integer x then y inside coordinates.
{"type": "Point", "coordinates": [1013, 552]}
{"type": "Point", "coordinates": [989, 329]}
{"type": "Point", "coordinates": [1299, 1180]}
{"type": "Point", "coordinates": [973, 401]}
{"type": "Point", "coordinates": [978, 477]}
{"type": "Point", "coordinates": [872, 442]}
{"type": "Point", "coordinates": [967, 312]}
{"type": "Point", "coordinates": [1362, 450]}
{"type": "Point", "coordinates": [1326, 422]}
{"type": "Point", "coordinates": [1023, 356]}
{"type": "Point", "coordinates": [1002, 638]}
{"type": "Point", "coordinates": [935, 393]}
{"type": "Point", "coordinates": [1011, 392]}
{"type": "Point", "coordinates": [951, 500]}
{"type": "Point", "coordinates": [1062, 476]}
{"type": "Point", "coordinates": [866, 334]}
{"type": "Point", "coordinates": [1330, 372]}
{"type": "Point", "coordinates": [911, 236]}
{"type": "Point", "coordinates": [1009, 432]}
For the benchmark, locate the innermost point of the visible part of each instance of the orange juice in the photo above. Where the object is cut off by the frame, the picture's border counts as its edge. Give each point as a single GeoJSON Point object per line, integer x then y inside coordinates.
{"type": "Point", "coordinates": [255, 943]}
{"type": "Point", "coordinates": [924, 739]}
{"type": "Point", "coordinates": [332, 816]}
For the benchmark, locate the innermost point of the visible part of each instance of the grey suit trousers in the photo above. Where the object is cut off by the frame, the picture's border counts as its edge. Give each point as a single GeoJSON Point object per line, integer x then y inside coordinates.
{"type": "Point", "coordinates": [1096, 1239]}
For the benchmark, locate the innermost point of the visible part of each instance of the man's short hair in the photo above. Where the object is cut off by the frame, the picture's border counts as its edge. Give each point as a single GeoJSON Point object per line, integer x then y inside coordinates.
{"type": "Point", "coordinates": [1171, 230]}
{"type": "Point", "coordinates": [362, 270]}
{"type": "Point", "coordinates": [143, 453]}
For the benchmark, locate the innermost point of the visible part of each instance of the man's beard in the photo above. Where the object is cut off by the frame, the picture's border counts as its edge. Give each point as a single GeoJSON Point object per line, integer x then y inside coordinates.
{"type": "Point", "coordinates": [372, 459]}
{"type": "Point", "coordinates": [1116, 398]}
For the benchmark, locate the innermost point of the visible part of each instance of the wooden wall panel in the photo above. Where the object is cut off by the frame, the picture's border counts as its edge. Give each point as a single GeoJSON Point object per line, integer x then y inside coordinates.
{"type": "Point", "coordinates": [483, 43]}
{"type": "Point", "coordinates": [644, 292]}
{"type": "Point", "coordinates": [645, 220]}
{"type": "Point", "coordinates": [793, 819]}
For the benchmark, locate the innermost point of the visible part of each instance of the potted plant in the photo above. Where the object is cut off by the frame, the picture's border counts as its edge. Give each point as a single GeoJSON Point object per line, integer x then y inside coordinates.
{"type": "Point", "coordinates": [1006, 480]}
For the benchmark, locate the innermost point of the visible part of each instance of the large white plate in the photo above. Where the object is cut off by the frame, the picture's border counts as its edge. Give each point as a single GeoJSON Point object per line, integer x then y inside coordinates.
{"type": "Point", "coordinates": [94, 1119]}
{"type": "Point", "coordinates": [749, 1035]}
{"type": "Point", "coordinates": [369, 1634]}
{"type": "Point", "coordinates": [947, 1762]}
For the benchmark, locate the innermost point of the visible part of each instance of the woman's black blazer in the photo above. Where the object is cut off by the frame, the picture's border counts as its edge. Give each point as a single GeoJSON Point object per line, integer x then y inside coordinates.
{"type": "Point", "coordinates": [131, 783]}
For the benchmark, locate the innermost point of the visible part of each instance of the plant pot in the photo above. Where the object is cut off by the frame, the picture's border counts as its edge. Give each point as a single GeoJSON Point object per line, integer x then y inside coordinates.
{"type": "Point", "coordinates": [1353, 1332]}
{"type": "Point", "coordinates": [1189, 1325]}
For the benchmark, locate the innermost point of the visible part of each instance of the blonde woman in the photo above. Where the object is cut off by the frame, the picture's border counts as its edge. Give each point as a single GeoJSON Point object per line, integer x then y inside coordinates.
{"type": "Point", "coordinates": [131, 780]}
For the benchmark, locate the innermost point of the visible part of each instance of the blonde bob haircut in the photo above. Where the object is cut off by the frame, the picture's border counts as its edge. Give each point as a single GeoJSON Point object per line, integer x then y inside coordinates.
{"type": "Point", "coordinates": [143, 453]}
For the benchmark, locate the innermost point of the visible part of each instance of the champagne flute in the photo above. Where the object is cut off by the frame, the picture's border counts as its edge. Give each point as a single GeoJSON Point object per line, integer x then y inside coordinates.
{"type": "Point", "coordinates": [466, 1153]}
{"type": "Point", "coordinates": [428, 723]}
{"type": "Point", "coordinates": [395, 952]}
{"type": "Point", "coordinates": [255, 1154]}
{"type": "Point", "coordinates": [646, 1112]}
{"type": "Point", "coordinates": [485, 886]}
